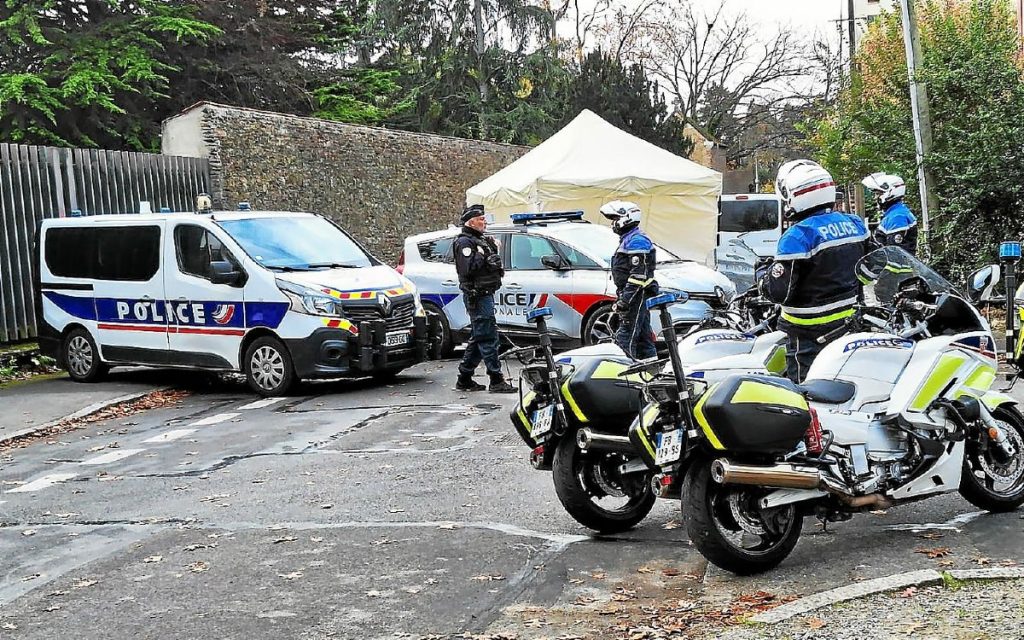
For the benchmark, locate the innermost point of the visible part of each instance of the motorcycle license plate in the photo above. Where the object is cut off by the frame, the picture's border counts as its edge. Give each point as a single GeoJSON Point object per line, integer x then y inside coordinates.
{"type": "Point", "coordinates": [397, 339]}
{"type": "Point", "coordinates": [542, 419]}
{"type": "Point", "coordinates": [670, 446]}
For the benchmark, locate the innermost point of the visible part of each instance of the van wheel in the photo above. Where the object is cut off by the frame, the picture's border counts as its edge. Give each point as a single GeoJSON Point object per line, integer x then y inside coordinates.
{"type": "Point", "coordinates": [447, 340]}
{"type": "Point", "coordinates": [268, 367]}
{"type": "Point", "coordinates": [82, 358]}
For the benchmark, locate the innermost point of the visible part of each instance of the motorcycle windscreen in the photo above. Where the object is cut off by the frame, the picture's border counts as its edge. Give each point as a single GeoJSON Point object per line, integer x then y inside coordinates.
{"type": "Point", "coordinates": [753, 414]}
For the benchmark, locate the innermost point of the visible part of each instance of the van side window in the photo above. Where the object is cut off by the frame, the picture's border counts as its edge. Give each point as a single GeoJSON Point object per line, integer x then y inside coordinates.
{"type": "Point", "coordinates": [127, 254]}
{"type": "Point", "coordinates": [196, 248]}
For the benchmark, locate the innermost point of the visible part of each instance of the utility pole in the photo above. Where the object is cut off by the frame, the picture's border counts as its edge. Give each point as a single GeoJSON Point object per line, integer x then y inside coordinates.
{"type": "Point", "coordinates": [921, 117]}
{"type": "Point", "coordinates": [854, 199]}
{"type": "Point", "coordinates": [852, 26]}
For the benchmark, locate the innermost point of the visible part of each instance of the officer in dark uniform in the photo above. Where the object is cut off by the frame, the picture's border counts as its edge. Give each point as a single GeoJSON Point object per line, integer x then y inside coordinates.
{"type": "Point", "coordinates": [813, 276]}
{"type": "Point", "coordinates": [479, 267]}
{"type": "Point", "coordinates": [898, 226]}
{"type": "Point", "coordinates": [633, 274]}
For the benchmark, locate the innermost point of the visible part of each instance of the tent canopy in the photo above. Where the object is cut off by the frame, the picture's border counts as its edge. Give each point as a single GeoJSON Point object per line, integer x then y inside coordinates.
{"type": "Point", "coordinates": [590, 162]}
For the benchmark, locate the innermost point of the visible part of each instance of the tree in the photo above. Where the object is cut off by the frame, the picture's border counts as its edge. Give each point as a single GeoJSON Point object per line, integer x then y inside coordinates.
{"type": "Point", "coordinates": [625, 97]}
{"type": "Point", "coordinates": [976, 88]}
{"type": "Point", "coordinates": [88, 72]}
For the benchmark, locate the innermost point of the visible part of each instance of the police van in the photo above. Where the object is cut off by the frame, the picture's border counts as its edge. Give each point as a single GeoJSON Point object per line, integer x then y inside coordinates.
{"type": "Point", "coordinates": [279, 296]}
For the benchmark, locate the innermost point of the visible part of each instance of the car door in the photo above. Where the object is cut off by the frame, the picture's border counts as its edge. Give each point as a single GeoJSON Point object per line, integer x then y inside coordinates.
{"type": "Point", "coordinates": [528, 284]}
{"type": "Point", "coordinates": [438, 281]}
{"type": "Point", "coordinates": [131, 322]}
{"type": "Point", "coordinates": [206, 320]}
{"type": "Point", "coordinates": [591, 287]}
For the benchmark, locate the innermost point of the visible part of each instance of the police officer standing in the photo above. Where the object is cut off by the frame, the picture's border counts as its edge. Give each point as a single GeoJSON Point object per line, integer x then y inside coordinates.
{"type": "Point", "coordinates": [813, 276]}
{"type": "Point", "coordinates": [479, 267]}
{"type": "Point", "coordinates": [898, 227]}
{"type": "Point", "coordinates": [633, 274]}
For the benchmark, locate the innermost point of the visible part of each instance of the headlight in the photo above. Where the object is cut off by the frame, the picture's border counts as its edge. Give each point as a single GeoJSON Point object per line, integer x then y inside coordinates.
{"type": "Point", "coordinates": [409, 286]}
{"type": "Point", "coordinates": [310, 301]}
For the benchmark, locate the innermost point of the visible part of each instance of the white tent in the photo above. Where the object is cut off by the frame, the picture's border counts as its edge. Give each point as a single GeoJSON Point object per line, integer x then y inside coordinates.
{"type": "Point", "coordinates": [590, 162]}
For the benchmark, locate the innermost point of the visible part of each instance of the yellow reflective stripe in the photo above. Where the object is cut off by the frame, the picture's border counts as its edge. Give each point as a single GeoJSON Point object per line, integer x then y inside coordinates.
{"type": "Point", "coordinates": [698, 412]}
{"type": "Point", "coordinates": [994, 400]}
{"type": "Point", "coordinates": [638, 281]}
{"type": "Point", "coordinates": [981, 379]}
{"type": "Point", "coordinates": [523, 419]}
{"type": "Point", "coordinates": [864, 280]}
{"type": "Point", "coordinates": [650, 415]}
{"type": "Point", "coordinates": [611, 370]}
{"type": "Point", "coordinates": [761, 393]}
{"type": "Point", "coordinates": [814, 321]}
{"type": "Point", "coordinates": [645, 440]}
{"type": "Point", "coordinates": [1020, 336]}
{"type": "Point", "coordinates": [893, 269]}
{"type": "Point", "coordinates": [572, 402]}
{"type": "Point", "coordinates": [937, 381]}
{"type": "Point", "coordinates": [777, 363]}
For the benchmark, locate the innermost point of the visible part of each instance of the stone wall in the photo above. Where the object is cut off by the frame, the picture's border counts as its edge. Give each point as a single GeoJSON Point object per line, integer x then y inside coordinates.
{"type": "Point", "coordinates": [381, 185]}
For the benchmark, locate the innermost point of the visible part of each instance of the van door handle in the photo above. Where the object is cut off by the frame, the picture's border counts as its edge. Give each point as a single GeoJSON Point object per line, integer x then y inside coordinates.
{"type": "Point", "coordinates": [182, 299]}
{"type": "Point", "coordinates": [514, 286]}
{"type": "Point", "coordinates": [449, 283]}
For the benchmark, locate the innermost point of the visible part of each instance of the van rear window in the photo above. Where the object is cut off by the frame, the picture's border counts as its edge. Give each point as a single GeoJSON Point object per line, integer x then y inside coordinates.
{"type": "Point", "coordinates": [740, 216]}
{"type": "Point", "coordinates": [104, 253]}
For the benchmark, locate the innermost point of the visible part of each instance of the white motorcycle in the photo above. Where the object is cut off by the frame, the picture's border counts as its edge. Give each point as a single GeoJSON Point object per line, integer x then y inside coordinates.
{"type": "Point", "coordinates": [884, 418]}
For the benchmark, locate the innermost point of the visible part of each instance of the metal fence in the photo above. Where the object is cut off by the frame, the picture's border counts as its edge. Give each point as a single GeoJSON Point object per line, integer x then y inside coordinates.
{"type": "Point", "coordinates": [49, 182]}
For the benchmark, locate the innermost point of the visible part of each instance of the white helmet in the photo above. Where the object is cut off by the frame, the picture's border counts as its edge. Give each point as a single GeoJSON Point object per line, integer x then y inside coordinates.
{"type": "Point", "coordinates": [886, 187]}
{"type": "Point", "coordinates": [804, 185]}
{"type": "Point", "coordinates": [624, 215]}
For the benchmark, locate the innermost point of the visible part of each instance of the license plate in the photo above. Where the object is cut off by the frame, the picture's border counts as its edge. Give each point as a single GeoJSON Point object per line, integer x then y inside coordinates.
{"type": "Point", "coordinates": [542, 419]}
{"type": "Point", "coordinates": [397, 339]}
{"type": "Point", "coordinates": [670, 446]}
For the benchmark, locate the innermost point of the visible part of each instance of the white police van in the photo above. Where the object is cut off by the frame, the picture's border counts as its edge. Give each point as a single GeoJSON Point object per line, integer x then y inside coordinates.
{"type": "Point", "coordinates": [278, 296]}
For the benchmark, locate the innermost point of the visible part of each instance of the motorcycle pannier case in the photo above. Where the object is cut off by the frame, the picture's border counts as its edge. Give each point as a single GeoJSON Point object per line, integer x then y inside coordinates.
{"type": "Point", "coordinates": [753, 414]}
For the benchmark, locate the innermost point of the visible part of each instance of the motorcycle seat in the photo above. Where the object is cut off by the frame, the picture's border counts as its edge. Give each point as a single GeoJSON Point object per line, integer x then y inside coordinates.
{"type": "Point", "coordinates": [828, 391]}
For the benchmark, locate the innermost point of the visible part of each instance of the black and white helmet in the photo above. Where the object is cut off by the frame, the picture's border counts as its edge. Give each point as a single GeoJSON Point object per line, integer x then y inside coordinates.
{"type": "Point", "coordinates": [888, 188]}
{"type": "Point", "coordinates": [623, 215]}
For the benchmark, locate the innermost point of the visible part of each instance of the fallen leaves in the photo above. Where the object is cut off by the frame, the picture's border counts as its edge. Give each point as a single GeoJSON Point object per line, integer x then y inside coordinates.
{"type": "Point", "coordinates": [82, 584]}
{"type": "Point", "coordinates": [199, 567]}
{"type": "Point", "coordinates": [936, 552]}
{"type": "Point", "coordinates": [931, 535]}
{"type": "Point", "coordinates": [815, 623]}
{"type": "Point", "coordinates": [294, 575]}
{"type": "Point", "coordinates": [284, 539]}
{"type": "Point", "coordinates": [671, 524]}
{"type": "Point", "coordinates": [29, 532]}
{"type": "Point", "coordinates": [488, 578]}
{"type": "Point", "coordinates": [8, 626]}
{"type": "Point", "coordinates": [153, 559]}
{"type": "Point", "coordinates": [909, 592]}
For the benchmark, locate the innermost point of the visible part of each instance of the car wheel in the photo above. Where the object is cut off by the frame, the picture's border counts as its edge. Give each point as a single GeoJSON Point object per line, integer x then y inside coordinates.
{"type": "Point", "coordinates": [447, 340]}
{"type": "Point", "coordinates": [600, 325]}
{"type": "Point", "coordinates": [268, 367]}
{"type": "Point", "coordinates": [82, 358]}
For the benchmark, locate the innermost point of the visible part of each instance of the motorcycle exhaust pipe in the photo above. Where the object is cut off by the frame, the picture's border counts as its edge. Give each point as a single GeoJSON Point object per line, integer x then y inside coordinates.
{"type": "Point", "coordinates": [781, 476]}
{"type": "Point", "coordinates": [588, 440]}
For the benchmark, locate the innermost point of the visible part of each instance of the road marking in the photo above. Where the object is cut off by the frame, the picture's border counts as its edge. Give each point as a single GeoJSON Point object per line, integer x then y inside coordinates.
{"type": "Point", "coordinates": [113, 456]}
{"type": "Point", "coordinates": [170, 436]}
{"type": "Point", "coordinates": [42, 483]}
{"type": "Point", "coordinates": [220, 417]}
{"type": "Point", "coordinates": [261, 404]}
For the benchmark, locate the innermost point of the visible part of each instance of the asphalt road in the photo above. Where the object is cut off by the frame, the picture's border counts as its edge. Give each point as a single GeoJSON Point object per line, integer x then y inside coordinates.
{"type": "Point", "coordinates": [355, 510]}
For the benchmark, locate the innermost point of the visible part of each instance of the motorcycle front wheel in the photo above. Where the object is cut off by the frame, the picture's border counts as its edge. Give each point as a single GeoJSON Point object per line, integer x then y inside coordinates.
{"type": "Point", "coordinates": [593, 492]}
{"type": "Point", "coordinates": [989, 483]}
{"type": "Point", "coordinates": [729, 528]}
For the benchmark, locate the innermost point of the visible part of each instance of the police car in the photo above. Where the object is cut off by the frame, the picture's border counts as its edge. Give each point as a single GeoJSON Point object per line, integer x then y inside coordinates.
{"type": "Point", "coordinates": [554, 260]}
{"type": "Point", "coordinates": [278, 296]}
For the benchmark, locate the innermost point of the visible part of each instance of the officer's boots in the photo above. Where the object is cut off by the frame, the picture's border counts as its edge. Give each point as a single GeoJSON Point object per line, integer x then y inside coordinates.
{"type": "Point", "coordinates": [467, 383]}
{"type": "Point", "coordinates": [500, 385]}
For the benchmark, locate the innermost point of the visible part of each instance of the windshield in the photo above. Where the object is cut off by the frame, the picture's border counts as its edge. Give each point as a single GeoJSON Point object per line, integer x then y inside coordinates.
{"type": "Point", "coordinates": [737, 261]}
{"type": "Point", "coordinates": [741, 216]}
{"type": "Point", "coordinates": [601, 242]}
{"type": "Point", "coordinates": [299, 243]}
{"type": "Point", "coordinates": [883, 270]}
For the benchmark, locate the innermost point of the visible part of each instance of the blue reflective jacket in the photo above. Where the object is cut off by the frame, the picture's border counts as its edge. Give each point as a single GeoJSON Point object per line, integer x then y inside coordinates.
{"type": "Point", "coordinates": [898, 228]}
{"type": "Point", "coordinates": [633, 266]}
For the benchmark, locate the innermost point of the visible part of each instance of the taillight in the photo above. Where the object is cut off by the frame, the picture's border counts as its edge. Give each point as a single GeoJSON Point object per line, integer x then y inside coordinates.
{"type": "Point", "coordinates": [813, 435]}
{"type": "Point", "coordinates": [400, 267]}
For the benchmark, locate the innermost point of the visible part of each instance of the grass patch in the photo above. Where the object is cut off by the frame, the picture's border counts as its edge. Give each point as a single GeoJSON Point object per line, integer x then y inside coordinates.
{"type": "Point", "coordinates": [23, 362]}
{"type": "Point", "coordinates": [950, 582]}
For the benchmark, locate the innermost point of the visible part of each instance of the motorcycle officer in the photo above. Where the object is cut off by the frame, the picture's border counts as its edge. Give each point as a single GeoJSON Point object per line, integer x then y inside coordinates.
{"type": "Point", "coordinates": [898, 226]}
{"type": "Point", "coordinates": [813, 276]}
{"type": "Point", "coordinates": [633, 274]}
{"type": "Point", "coordinates": [478, 264]}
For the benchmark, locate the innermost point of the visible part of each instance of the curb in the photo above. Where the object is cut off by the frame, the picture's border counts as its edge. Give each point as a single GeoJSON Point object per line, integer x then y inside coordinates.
{"type": "Point", "coordinates": [878, 585]}
{"type": "Point", "coordinates": [81, 413]}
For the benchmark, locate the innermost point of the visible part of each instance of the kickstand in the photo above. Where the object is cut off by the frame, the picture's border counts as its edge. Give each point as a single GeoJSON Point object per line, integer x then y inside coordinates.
{"type": "Point", "coordinates": [1013, 382]}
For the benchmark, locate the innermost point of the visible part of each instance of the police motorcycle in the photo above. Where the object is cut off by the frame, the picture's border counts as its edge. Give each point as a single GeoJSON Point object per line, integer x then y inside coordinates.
{"type": "Point", "coordinates": [898, 411]}
{"type": "Point", "coordinates": [574, 414]}
{"type": "Point", "coordinates": [743, 336]}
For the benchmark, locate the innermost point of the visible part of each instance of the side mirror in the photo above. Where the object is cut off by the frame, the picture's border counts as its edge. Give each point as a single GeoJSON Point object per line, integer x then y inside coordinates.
{"type": "Point", "coordinates": [556, 263]}
{"type": "Point", "coordinates": [982, 283]}
{"type": "Point", "coordinates": [223, 272]}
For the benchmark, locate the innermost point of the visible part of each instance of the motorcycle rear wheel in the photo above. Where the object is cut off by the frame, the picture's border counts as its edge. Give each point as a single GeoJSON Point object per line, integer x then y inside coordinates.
{"type": "Point", "coordinates": [584, 480]}
{"type": "Point", "coordinates": [723, 522]}
{"type": "Point", "coordinates": [978, 483]}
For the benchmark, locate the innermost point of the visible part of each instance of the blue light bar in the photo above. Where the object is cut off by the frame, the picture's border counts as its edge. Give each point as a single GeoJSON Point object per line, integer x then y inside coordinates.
{"type": "Point", "coordinates": [165, 210]}
{"type": "Point", "coordinates": [552, 216]}
{"type": "Point", "coordinates": [1009, 251]}
{"type": "Point", "coordinates": [244, 206]}
{"type": "Point", "coordinates": [76, 213]}
{"type": "Point", "coordinates": [667, 298]}
{"type": "Point", "coordinates": [539, 312]}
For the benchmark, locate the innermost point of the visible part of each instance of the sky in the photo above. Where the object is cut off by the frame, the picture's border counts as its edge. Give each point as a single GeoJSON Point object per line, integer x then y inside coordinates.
{"type": "Point", "coordinates": [813, 15]}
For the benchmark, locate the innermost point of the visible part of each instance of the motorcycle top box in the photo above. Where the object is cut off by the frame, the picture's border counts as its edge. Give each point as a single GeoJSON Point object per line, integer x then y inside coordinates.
{"type": "Point", "coordinates": [753, 414]}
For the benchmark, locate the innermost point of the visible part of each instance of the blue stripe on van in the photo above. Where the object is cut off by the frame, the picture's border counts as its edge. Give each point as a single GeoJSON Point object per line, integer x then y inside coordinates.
{"type": "Point", "coordinates": [194, 313]}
